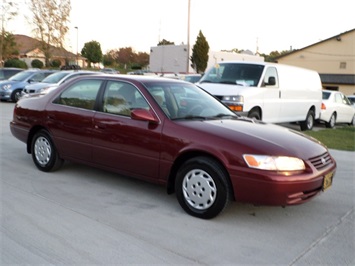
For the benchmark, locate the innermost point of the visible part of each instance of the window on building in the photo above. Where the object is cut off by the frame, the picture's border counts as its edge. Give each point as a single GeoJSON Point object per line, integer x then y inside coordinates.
{"type": "Point", "coordinates": [342, 65]}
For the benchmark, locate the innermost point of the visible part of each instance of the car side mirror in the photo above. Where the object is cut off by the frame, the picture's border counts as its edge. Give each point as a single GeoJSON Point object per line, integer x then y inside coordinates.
{"type": "Point", "coordinates": [271, 81]}
{"type": "Point", "coordinates": [144, 115]}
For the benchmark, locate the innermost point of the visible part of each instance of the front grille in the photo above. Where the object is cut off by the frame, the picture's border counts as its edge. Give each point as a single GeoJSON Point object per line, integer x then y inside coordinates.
{"type": "Point", "coordinates": [321, 161]}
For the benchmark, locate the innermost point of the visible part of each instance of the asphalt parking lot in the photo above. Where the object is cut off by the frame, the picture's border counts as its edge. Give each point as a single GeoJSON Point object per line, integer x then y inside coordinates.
{"type": "Point", "coordinates": [80, 216]}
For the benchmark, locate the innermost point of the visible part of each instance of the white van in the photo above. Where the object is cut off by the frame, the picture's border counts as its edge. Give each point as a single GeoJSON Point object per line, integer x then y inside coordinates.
{"type": "Point", "coordinates": [273, 93]}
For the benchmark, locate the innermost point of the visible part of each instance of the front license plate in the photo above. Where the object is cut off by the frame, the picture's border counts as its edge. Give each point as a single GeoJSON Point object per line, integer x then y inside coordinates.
{"type": "Point", "coordinates": [327, 181]}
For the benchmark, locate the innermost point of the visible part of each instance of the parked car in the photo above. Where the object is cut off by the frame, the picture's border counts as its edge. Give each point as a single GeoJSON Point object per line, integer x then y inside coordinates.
{"type": "Point", "coordinates": [53, 81]}
{"type": "Point", "coordinates": [193, 78]}
{"type": "Point", "coordinates": [352, 99]}
{"type": "Point", "coordinates": [10, 90]}
{"type": "Point", "coordinates": [172, 133]}
{"type": "Point", "coordinates": [273, 93]}
{"type": "Point", "coordinates": [110, 71]}
{"type": "Point", "coordinates": [70, 67]}
{"type": "Point", "coordinates": [336, 108]}
{"type": "Point", "coordinates": [8, 72]}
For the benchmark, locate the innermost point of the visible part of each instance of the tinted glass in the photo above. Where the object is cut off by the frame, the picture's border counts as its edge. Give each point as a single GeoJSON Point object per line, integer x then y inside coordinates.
{"type": "Point", "coordinates": [241, 74]}
{"type": "Point", "coordinates": [325, 95]}
{"type": "Point", "coordinates": [81, 94]}
{"type": "Point", "coordinates": [120, 98]}
{"type": "Point", "coordinates": [184, 100]}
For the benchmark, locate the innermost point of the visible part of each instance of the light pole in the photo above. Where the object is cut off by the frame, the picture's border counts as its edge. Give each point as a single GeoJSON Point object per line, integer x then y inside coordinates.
{"type": "Point", "coordinates": [77, 45]}
{"type": "Point", "coordinates": [188, 38]}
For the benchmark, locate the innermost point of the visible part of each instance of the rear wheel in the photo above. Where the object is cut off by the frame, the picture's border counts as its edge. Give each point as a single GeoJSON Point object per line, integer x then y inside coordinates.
{"type": "Point", "coordinates": [44, 153]}
{"type": "Point", "coordinates": [202, 187]}
{"type": "Point", "coordinates": [352, 123]}
{"type": "Point", "coordinates": [331, 122]}
{"type": "Point", "coordinates": [309, 122]}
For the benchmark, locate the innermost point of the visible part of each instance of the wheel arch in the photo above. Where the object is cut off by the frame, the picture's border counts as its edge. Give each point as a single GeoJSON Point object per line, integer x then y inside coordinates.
{"type": "Point", "coordinates": [182, 158]}
{"type": "Point", "coordinates": [258, 110]}
{"type": "Point", "coordinates": [31, 134]}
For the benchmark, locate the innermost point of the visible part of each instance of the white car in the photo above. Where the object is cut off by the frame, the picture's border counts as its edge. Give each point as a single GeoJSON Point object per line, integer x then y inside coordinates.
{"type": "Point", "coordinates": [352, 99]}
{"type": "Point", "coordinates": [336, 108]}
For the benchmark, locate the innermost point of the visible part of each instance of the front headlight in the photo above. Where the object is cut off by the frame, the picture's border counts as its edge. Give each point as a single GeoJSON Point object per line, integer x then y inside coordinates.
{"type": "Point", "coordinates": [6, 86]}
{"type": "Point", "coordinates": [275, 163]}
{"type": "Point", "coordinates": [235, 98]}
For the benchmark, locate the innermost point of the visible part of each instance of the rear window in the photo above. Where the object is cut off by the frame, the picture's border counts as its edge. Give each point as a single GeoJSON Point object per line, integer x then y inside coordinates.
{"type": "Point", "coordinates": [326, 95]}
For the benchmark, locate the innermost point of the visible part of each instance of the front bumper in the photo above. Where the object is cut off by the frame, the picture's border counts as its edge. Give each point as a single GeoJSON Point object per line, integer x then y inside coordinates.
{"type": "Point", "coordinates": [280, 189]}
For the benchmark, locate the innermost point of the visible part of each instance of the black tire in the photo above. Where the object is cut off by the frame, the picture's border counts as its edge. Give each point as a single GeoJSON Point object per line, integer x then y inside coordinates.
{"type": "Point", "coordinates": [254, 114]}
{"type": "Point", "coordinates": [44, 153]}
{"type": "Point", "coordinates": [352, 123]}
{"type": "Point", "coordinates": [332, 121]}
{"type": "Point", "coordinates": [309, 122]}
{"type": "Point", "coordinates": [16, 95]}
{"type": "Point", "coordinates": [202, 187]}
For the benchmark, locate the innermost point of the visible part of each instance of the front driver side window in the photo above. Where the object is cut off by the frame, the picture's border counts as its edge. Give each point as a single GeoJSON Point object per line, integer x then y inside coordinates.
{"type": "Point", "coordinates": [271, 79]}
{"type": "Point", "coordinates": [120, 98]}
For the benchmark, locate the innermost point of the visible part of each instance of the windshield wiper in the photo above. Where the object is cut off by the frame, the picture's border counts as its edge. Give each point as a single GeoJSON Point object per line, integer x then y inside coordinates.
{"type": "Point", "coordinates": [191, 117]}
{"type": "Point", "coordinates": [223, 115]}
{"type": "Point", "coordinates": [205, 81]}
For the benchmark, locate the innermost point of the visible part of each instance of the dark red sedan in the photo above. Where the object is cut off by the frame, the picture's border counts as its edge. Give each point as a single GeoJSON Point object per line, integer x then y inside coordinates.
{"type": "Point", "coordinates": [172, 133]}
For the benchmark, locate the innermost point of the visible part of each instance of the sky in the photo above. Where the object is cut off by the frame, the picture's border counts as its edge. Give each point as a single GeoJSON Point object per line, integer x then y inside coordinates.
{"type": "Point", "coordinates": [269, 25]}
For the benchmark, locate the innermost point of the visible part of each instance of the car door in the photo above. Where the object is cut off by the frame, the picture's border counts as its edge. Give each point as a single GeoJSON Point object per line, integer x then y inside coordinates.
{"type": "Point", "coordinates": [128, 146]}
{"type": "Point", "coordinates": [70, 118]}
{"type": "Point", "coordinates": [271, 96]}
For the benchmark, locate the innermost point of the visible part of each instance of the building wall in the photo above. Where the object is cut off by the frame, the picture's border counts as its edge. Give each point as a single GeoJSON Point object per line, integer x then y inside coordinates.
{"type": "Point", "coordinates": [335, 55]}
{"type": "Point", "coordinates": [169, 59]}
{"type": "Point", "coordinates": [173, 59]}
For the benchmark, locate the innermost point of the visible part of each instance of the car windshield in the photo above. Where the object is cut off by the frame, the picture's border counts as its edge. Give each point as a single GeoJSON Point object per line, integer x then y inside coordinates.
{"type": "Point", "coordinates": [234, 73]}
{"type": "Point", "coordinates": [56, 77]}
{"type": "Point", "coordinates": [21, 76]}
{"type": "Point", "coordinates": [180, 100]}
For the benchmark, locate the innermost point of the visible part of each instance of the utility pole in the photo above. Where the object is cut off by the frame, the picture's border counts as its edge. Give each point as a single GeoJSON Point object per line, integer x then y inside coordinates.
{"type": "Point", "coordinates": [77, 45]}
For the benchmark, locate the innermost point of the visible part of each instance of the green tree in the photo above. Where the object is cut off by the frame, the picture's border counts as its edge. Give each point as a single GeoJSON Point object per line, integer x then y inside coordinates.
{"type": "Point", "coordinates": [15, 63]}
{"type": "Point", "coordinates": [8, 12]}
{"type": "Point", "coordinates": [8, 46]}
{"type": "Point", "coordinates": [36, 63]}
{"type": "Point", "coordinates": [50, 19]}
{"type": "Point", "coordinates": [92, 51]}
{"type": "Point", "coordinates": [141, 59]}
{"type": "Point", "coordinates": [165, 42]}
{"type": "Point", "coordinates": [274, 55]}
{"type": "Point", "coordinates": [199, 57]}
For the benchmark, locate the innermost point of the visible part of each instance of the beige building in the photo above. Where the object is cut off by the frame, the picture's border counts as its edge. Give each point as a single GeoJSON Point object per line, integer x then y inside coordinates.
{"type": "Point", "coordinates": [29, 49]}
{"type": "Point", "coordinates": [333, 59]}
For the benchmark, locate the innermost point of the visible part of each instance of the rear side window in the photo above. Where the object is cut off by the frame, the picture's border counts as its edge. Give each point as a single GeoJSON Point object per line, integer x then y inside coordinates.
{"type": "Point", "coordinates": [81, 94]}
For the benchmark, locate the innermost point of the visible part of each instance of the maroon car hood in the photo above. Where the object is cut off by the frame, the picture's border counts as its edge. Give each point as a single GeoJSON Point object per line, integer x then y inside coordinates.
{"type": "Point", "coordinates": [262, 137]}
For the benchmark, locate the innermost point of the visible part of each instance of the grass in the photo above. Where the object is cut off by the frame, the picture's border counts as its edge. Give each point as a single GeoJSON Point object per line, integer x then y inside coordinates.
{"type": "Point", "coordinates": [340, 138]}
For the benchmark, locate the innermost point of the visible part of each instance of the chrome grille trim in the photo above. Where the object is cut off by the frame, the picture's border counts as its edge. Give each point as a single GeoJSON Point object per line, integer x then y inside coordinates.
{"type": "Point", "coordinates": [321, 161]}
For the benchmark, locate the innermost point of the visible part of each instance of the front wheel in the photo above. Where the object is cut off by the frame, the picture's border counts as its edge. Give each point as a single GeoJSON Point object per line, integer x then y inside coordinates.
{"type": "Point", "coordinates": [202, 187]}
{"type": "Point", "coordinates": [16, 95]}
{"type": "Point", "coordinates": [44, 153]}
{"type": "Point", "coordinates": [309, 122]}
